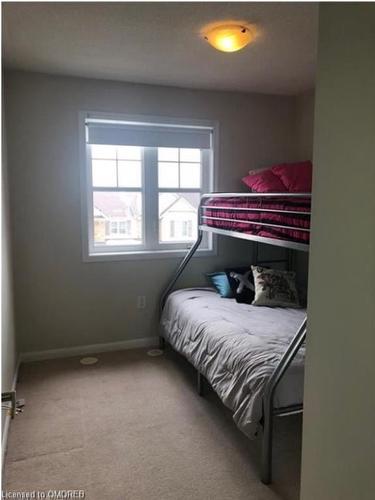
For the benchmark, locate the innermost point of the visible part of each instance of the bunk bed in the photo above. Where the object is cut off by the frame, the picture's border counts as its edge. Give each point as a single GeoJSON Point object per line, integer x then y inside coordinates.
{"type": "Point", "coordinates": [278, 219]}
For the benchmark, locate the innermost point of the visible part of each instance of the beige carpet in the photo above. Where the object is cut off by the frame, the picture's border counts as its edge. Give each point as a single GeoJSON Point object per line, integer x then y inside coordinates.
{"type": "Point", "coordinates": [133, 428]}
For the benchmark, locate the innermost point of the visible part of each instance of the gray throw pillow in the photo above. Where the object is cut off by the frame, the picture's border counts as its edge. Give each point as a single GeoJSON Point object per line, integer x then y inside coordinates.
{"type": "Point", "coordinates": [275, 288]}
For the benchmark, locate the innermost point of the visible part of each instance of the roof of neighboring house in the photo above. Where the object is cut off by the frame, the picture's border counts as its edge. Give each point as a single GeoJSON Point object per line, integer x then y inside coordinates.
{"type": "Point", "coordinates": [117, 205]}
{"type": "Point", "coordinates": [98, 213]}
{"type": "Point", "coordinates": [173, 202]}
{"type": "Point", "coordinates": [128, 205]}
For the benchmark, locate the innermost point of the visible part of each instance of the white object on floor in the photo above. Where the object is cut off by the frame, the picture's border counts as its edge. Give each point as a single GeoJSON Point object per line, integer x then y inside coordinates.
{"type": "Point", "coordinates": [155, 352]}
{"type": "Point", "coordinates": [89, 360]}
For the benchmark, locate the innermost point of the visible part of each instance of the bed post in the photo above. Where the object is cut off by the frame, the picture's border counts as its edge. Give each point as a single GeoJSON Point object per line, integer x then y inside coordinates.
{"type": "Point", "coordinates": [268, 410]}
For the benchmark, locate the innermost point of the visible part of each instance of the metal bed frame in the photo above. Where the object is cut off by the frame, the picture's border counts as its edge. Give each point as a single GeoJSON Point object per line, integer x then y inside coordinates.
{"type": "Point", "coordinates": [269, 410]}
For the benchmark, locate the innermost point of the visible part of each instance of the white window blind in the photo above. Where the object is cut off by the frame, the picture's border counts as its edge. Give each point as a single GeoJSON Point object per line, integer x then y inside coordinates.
{"type": "Point", "coordinates": [149, 135]}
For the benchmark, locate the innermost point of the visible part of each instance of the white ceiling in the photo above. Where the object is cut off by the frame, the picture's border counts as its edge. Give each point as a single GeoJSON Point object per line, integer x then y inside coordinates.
{"type": "Point", "coordinates": [160, 43]}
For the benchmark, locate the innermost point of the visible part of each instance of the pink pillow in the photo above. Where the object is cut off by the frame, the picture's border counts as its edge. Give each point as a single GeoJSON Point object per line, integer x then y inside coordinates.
{"type": "Point", "coordinates": [264, 182]}
{"type": "Point", "coordinates": [296, 177]}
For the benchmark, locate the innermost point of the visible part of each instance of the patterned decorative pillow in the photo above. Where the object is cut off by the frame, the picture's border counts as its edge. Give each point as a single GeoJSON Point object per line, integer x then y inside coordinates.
{"type": "Point", "coordinates": [241, 283]}
{"type": "Point", "coordinates": [275, 288]}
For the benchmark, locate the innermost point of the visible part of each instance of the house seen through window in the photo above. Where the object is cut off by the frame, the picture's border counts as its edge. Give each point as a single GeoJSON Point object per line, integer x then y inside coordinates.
{"type": "Point", "coordinates": [143, 189]}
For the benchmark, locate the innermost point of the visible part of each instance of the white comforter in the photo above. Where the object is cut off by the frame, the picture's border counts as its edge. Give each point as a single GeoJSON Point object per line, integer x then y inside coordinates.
{"type": "Point", "coordinates": [236, 347]}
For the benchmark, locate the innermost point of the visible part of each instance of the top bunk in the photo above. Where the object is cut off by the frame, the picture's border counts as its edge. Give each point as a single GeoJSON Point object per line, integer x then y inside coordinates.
{"type": "Point", "coordinates": [279, 219]}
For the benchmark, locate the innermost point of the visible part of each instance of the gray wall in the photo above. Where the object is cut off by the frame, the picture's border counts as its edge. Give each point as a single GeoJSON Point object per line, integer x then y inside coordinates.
{"type": "Point", "coordinates": [8, 340]}
{"type": "Point", "coordinates": [61, 301]}
{"type": "Point", "coordinates": [339, 437]}
{"type": "Point", "coordinates": [305, 125]}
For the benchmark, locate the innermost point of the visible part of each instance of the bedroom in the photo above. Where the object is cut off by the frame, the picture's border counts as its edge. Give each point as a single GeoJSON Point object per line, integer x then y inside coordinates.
{"type": "Point", "coordinates": [131, 77]}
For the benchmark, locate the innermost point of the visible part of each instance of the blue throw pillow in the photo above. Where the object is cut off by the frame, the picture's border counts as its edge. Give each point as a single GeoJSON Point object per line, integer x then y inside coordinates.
{"type": "Point", "coordinates": [221, 283]}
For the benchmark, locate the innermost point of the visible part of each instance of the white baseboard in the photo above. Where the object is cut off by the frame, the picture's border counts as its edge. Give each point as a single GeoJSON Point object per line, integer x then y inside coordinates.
{"type": "Point", "coordinates": [67, 352]}
{"type": "Point", "coordinates": [7, 418]}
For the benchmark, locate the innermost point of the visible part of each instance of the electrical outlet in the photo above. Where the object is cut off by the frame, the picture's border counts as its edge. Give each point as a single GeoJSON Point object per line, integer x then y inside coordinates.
{"type": "Point", "coordinates": [141, 301]}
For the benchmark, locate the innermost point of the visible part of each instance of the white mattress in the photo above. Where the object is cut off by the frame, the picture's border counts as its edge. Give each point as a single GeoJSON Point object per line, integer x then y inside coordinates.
{"type": "Point", "coordinates": [236, 347]}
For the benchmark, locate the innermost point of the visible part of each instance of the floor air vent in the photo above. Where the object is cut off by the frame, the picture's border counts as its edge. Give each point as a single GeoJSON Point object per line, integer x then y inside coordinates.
{"type": "Point", "coordinates": [89, 360]}
{"type": "Point", "coordinates": [155, 352]}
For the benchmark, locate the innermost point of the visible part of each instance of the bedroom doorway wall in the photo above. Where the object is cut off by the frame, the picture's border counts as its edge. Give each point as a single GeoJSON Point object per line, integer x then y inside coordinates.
{"type": "Point", "coordinates": [338, 438]}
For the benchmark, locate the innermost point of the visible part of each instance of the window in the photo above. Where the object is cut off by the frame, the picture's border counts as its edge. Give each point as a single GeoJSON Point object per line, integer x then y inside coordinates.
{"type": "Point", "coordinates": [125, 227]}
{"type": "Point", "coordinates": [143, 185]}
{"type": "Point", "coordinates": [113, 227]}
{"type": "Point", "coordinates": [172, 229]}
{"type": "Point", "coordinates": [187, 228]}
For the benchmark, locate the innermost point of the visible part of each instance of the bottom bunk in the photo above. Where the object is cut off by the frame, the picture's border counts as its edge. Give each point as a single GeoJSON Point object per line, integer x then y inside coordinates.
{"type": "Point", "coordinates": [237, 348]}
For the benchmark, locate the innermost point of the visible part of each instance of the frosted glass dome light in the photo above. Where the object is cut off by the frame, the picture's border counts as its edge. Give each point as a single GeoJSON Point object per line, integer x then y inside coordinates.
{"type": "Point", "coordinates": [229, 37]}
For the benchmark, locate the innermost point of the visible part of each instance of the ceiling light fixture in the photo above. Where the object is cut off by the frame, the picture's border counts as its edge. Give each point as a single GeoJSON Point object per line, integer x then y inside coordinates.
{"type": "Point", "coordinates": [229, 37]}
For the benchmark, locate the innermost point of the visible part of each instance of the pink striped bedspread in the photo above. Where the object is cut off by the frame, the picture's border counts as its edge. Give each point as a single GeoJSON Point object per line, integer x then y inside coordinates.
{"type": "Point", "coordinates": [293, 214]}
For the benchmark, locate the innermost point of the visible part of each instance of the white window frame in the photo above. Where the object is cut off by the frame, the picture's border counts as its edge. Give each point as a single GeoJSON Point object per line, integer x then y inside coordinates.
{"type": "Point", "coordinates": [146, 250]}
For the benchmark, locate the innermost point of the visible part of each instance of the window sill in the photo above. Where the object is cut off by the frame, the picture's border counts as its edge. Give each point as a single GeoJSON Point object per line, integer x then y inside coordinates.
{"type": "Point", "coordinates": [146, 255]}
